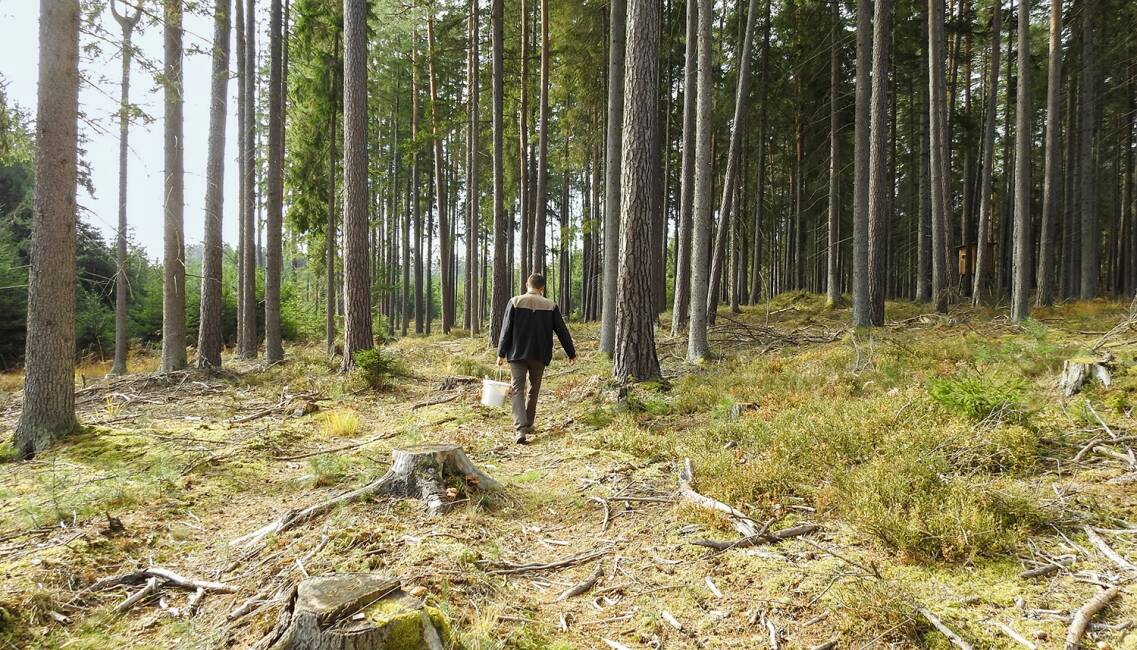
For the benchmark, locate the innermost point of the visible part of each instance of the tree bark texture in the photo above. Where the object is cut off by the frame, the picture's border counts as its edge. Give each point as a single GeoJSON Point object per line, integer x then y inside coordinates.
{"type": "Point", "coordinates": [613, 157]}
{"type": "Point", "coordinates": [174, 254]}
{"type": "Point", "coordinates": [356, 260]}
{"type": "Point", "coordinates": [697, 345]}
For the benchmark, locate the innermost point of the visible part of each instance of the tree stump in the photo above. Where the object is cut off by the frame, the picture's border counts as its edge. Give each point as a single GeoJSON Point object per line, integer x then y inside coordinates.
{"type": "Point", "coordinates": [1076, 372]}
{"type": "Point", "coordinates": [423, 471]}
{"type": "Point", "coordinates": [359, 611]}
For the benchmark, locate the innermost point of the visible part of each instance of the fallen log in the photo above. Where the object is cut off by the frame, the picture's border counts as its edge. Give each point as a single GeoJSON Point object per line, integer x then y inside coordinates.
{"type": "Point", "coordinates": [419, 471]}
{"type": "Point", "coordinates": [1086, 614]}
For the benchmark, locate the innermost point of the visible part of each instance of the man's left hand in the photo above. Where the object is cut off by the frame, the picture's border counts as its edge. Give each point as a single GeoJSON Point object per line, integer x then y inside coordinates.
{"type": "Point", "coordinates": [501, 361]}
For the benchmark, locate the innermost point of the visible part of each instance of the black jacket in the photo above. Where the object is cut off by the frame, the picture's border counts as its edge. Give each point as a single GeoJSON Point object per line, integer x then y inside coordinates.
{"type": "Point", "coordinates": [528, 327]}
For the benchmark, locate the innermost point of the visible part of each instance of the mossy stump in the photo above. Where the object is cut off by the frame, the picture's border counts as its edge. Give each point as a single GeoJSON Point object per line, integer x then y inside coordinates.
{"type": "Point", "coordinates": [360, 611]}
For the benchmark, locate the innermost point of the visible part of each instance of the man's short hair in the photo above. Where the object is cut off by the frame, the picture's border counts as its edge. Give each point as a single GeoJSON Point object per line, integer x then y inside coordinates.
{"type": "Point", "coordinates": [536, 281]}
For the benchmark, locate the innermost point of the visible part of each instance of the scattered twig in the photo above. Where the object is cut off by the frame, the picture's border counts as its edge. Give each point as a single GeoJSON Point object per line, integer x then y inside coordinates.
{"type": "Point", "coordinates": [572, 560]}
{"type": "Point", "coordinates": [584, 586]}
{"type": "Point", "coordinates": [831, 644]}
{"type": "Point", "coordinates": [713, 587]}
{"type": "Point", "coordinates": [607, 512]}
{"type": "Point", "coordinates": [150, 588]}
{"type": "Point", "coordinates": [760, 537]}
{"type": "Point", "coordinates": [1105, 549]}
{"type": "Point", "coordinates": [743, 524]}
{"type": "Point", "coordinates": [671, 620]}
{"type": "Point", "coordinates": [1086, 614]}
{"type": "Point", "coordinates": [1010, 631]}
{"type": "Point", "coordinates": [956, 640]}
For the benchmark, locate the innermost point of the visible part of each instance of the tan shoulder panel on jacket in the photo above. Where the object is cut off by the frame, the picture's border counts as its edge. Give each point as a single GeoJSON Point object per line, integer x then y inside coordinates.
{"type": "Point", "coordinates": [533, 301]}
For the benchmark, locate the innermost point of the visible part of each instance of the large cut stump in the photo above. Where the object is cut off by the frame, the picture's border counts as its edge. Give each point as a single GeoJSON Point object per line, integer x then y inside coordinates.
{"type": "Point", "coordinates": [359, 611]}
{"type": "Point", "coordinates": [422, 471]}
{"type": "Point", "coordinates": [1076, 372]}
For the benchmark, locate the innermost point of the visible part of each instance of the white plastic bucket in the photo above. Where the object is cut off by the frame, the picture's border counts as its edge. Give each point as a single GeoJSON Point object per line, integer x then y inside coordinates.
{"type": "Point", "coordinates": [494, 392]}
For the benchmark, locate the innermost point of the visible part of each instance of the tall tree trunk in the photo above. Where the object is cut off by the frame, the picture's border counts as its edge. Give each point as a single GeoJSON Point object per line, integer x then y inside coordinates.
{"type": "Point", "coordinates": [760, 194]}
{"type": "Point", "coordinates": [526, 215]}
{"type": "Point", "coordinates": [356, 271]}
{"type": "Point", "coordinates": [421, 307]}
{"type": "Point", "coordinates": [127, 22]}
{"type": "Point", "coordinates": [444, 244]}
{"type": "Point", "coordinates": [248, 209]}
{"type": "Point", "coordinates": [635, 356]}
{"type": "Point", "coordinates": [1021, 269]}
{"type": "Point", "coordinates": [209, 320]}
{"type": "Point", "coordinates": [1091, 231]}
{"type": "Point", "coordinates": [988, 156]}
{"type": "Point", "coordinates": [330, 236]}
{"type": "Point", "coordinates": [541, 215]}
{"type": "Point", "coordinates": [833, 244]}
{"type": "Point", "coordinates": [48, 410]}
{"type": "Point", "coordinates": [613, 158]}
{"type": "Point", "coordinates": [682, 294]}
{"type": "Point", "coordinates": [730, 174]}
{"type": "Point", "coordinates": [880, 185]}
{"type": "Point", "coordinates": [937, 133]}
{"type": "Point", "coordinates": [501, 289]}
{"type": "Point", "coordinates": [473, 221]}
{"type": "Point", "coordinates": [1050, 182]}
{"type": "Point", "coordinates": [174, 254]}
{"type": "Point", "coordinates": [274, 187]}
{"type": "Point", "coordinates": [862, 309]}
{"type": "Point", "coordinates": [697, 346]}
{"type": "Point", "coordinates": [924, 207]}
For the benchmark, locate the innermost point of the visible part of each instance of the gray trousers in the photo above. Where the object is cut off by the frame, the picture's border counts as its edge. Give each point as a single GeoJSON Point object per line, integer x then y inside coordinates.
{"type": "Point", "coordinates": [525, 410]}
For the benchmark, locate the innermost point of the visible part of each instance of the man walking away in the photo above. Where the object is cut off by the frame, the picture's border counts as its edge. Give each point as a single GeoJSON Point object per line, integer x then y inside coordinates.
{"type": "Point", "coordinates": [527, 331]}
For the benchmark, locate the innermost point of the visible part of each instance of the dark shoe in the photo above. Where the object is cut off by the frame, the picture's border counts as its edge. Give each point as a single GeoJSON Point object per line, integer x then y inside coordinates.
{"type": "Point", "coordinates": [521, 439]}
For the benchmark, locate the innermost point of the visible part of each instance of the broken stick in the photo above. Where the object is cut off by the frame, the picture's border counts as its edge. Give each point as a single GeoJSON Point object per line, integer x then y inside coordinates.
{"type": "Point", "coordinates": [955, 639]}
{"type": "Point", "coordinates": [743, 524]}
{"type": "Point", "coordinates": [584, 586]}
{"type": "Point", "coordinates": [1086, 614]}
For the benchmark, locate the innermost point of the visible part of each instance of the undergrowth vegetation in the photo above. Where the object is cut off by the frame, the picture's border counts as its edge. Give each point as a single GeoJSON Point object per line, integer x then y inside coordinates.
{"type": "Point", "coordinates": [935, 454]}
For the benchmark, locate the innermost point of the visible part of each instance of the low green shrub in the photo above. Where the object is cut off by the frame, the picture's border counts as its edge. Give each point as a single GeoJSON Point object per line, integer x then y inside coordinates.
{"type": "Point", "coordinates": [980, 398]}
{"type": "Point", "coordinates": [378, 367]}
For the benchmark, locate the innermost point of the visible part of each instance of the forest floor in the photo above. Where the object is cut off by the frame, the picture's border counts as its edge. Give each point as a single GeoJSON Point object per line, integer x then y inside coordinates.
{"type": "Point", "coordinates": [935, 454]}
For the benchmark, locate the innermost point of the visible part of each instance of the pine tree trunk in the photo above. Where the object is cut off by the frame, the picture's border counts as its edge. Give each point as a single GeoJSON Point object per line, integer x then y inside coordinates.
{"type": "Point", "coordinates": [248, 210]}
{"type": "Point", "coordinates": [356, 260]}
{"type": "Point", "coordinates": [330, 233]}
{"type": "Point", "coordinates": [730, 174]}
{"type": "Point", "coordinates": [756, 283]}
{"type": "Point", "coordinates": [501, 253]}
{"type": "Point", "coordinates": [274, 206]}
{"type": "Point", "coordinates": [121, 323]}
{"type": "Point", "coordinates": [474, 222]}
{"type": "Point", "coordinates": [209, 325]}
{"type": "Point", "coordinates": [833, 243]}
{"type": "Point", "coordinates": [1021, 266]}
{"type": "Point", "coordinates": [1050, 182]}
{"type": "Point", "coordinates": [988, 155]}
{"type": "Point", "coordinates": [880, 185]}
{"type": "Point", "coordinates": [862, 309]}
{"type": "Point", "coordinates": [635, 357]}
{"type": "Point", "coordinates": [421, 307]}
{"type": "Point", "coordinates": [48, 411]}
{"type": "Point", "coordinates": [613, 158]}
{"type": "Point", "coordinates": [444, 243]}
{"type": "Point", "coordinates": [924, 209]}
{"type": "Point", "coordinates": [937, 133]}
{"type": "Point", "coordinates": [174, 255]}
{"type": "Point", "coordinates": [682, 293]}
{"type": "Point", "coordinates": [541, 214]}
{"type": "Point", "coordinates": [242, 107]}
{"type": "Point", "coordinates": [1091, 231]}
{"type": "Point", "coordinates": [697, 345]}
